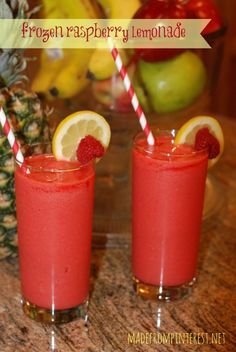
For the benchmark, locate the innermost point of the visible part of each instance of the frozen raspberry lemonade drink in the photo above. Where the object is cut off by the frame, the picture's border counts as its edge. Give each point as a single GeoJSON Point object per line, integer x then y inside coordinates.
{"type": "Point", "coordinates": [54, 198]}
{"type": "Point", "coordinates": [167, 203]}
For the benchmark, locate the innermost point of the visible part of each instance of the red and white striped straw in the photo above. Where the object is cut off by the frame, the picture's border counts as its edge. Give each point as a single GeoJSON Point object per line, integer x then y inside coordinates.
{"type": "Point", "coordinates": [130, 90]}
{"type": "Point", "coordinates": [11, 137]}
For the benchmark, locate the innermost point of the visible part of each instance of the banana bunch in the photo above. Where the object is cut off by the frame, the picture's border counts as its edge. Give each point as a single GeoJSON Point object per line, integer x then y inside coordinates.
{"type": "Point", "coordinates": [70, 9]}
{"type": "Point", "coordinates": [117, 9]}
{"type": "Point", "coordinates": [62, 72]}
{"type": "Point", "coordinates": [101, 65]}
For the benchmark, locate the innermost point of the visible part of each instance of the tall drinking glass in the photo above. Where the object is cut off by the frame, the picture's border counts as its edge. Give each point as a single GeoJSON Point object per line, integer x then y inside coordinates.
{"type": "Point", "coordinates": [167, 203]}
{"type": "Point", "coordinates": [54, 201]}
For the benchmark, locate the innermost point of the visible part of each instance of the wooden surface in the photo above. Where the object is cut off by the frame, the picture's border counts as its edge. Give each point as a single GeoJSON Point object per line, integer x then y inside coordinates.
{"type": "Point", "coordinates": [115, 311]}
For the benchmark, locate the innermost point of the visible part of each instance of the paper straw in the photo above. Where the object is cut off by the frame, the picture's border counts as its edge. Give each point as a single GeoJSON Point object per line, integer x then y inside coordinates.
{"type": "Point", "coordinates": [11, 137]}
{"type": "Point", "coordinates": [130, 90]}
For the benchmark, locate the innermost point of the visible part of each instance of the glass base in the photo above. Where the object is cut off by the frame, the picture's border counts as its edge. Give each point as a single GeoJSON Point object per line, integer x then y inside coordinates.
{"type": "Point", "coordinates": [59, 316]}
{"type": "Point", "coordinates": [163, 293]}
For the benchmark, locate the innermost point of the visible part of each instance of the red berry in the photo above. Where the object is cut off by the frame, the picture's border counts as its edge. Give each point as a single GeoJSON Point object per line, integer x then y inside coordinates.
{"type": "Point", "coordinates": [88, 149]}
{"type": "Point", "coordinates": [205, 9]}
{"type": "Point", "coordinates": [174, 9]}
{"type": "Point", "coordinates": [205, 140]}
{"type": "Point", "coordinates": [153, 9]}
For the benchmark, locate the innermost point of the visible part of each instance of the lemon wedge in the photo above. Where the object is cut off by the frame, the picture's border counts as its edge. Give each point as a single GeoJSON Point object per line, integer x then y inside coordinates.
{"type": "Point", "coordinates": [187, 133]}
{"type": "Point", "coordinates": [73, 128]}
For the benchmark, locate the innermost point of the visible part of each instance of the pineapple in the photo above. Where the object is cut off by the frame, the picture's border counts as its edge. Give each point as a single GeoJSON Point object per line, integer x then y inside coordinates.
{"type": "Point", "coordinates": [28, 120]}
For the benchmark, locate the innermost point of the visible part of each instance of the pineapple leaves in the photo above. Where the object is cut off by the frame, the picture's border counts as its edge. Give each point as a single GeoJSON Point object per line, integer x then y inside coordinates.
{"type": "Point", "coordinates": [5, 11]}
{"type": "Point", "coordinates": [12, 61]}
{"type": "Point", "coordinates": [11, 66]}
{"type": "Point", "coordinates": [14, 9]}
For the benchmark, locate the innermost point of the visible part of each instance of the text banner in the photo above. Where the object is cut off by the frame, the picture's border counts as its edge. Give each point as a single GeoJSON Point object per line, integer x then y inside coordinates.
{"type": "Point", "coordinates": [80, 33]}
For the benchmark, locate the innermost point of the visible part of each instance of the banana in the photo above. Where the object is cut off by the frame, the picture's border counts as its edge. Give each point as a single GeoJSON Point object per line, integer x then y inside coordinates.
{"type": "Point", "coordinates": [50, 9]}
{"type": "Point", "coordinates": [101, 65]}
{"type": "Point", "coordinates": [51, 62]}
{"type": "Point", "coordinates": [71, 80]}
{"type": "Point", "coordinates": [70, 9]}
{"type": "Point", "coordinates": [116, 9]}
{"type": "Point", "coordinates": [62, 72]}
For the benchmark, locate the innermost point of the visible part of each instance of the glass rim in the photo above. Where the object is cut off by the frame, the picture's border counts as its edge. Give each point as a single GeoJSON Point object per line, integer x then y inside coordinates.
{"type": "Point", "coordinates": [48, 154]}
{"type": "Point", "coordinates": [149, 149]}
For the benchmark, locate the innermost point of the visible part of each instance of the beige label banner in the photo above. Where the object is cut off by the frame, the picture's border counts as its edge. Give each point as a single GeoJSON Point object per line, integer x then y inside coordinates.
{"type": "Point", "coordinates": [78, 33]}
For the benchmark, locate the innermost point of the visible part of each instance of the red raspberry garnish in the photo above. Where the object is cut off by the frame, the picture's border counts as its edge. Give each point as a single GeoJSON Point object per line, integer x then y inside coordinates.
{"type": "Point", "coordinates": [88, 149]}
{"type": "Point", "coordinates": [205, 140]}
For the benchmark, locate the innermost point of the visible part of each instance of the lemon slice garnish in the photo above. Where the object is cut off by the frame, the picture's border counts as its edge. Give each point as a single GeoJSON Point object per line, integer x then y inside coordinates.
{"type": "Point", "coordinates": [187, 133]}
{"type": "Point", "coordinates": [73, 128]}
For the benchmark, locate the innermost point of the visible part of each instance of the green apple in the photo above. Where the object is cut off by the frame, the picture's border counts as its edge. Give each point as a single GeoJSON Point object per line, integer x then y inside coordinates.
{"type": "Point", "coordinates": [173, 84]}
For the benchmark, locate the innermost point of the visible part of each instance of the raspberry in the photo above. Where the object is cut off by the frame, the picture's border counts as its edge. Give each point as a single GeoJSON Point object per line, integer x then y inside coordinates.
{"type": "Point", "coordinates": [205, 140]}
{"type": "Point", "coordinates": [88, 149]}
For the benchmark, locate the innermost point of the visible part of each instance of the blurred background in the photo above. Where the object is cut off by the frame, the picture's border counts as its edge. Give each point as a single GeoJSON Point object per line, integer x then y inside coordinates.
{"type": "Point", "coordinates": [223, 101]}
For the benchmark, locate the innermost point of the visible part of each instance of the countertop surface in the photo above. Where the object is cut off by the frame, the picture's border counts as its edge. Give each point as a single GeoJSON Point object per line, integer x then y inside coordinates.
{"type": "Point", "coordinates": [121, 321]}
